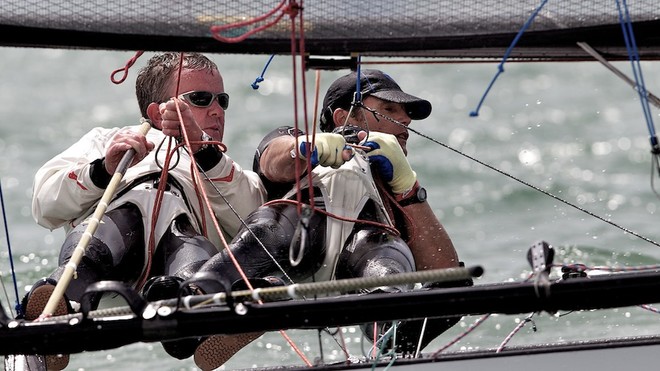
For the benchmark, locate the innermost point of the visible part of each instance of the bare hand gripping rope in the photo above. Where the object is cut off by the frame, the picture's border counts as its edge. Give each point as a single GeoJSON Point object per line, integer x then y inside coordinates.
{"type": "Point", "coordinates": [94, 221]}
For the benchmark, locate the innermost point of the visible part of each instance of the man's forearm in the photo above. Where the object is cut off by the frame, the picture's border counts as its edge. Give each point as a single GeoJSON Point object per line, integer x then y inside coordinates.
{"type": "Point", "coordinates": [276, 162]}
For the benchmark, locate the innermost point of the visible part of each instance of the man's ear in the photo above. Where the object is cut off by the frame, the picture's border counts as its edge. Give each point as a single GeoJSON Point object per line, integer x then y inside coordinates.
{"type": "Point", "coordinates": [339, 117]}
{"type": "Point", "coordinates": [154, 115]}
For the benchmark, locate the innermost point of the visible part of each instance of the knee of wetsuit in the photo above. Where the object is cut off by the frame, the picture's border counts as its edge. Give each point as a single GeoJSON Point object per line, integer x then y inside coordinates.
{"type": "Point", "coordinates": [96, 264]}
{"type": "Point", "coordinates": [115, 252]}
{"type": "Point", "coordinates": [375, 253]}
{"type": "Point", "coordinates": [182, 250]}
{"type": "Point", "coordinates": [207, 282]}
{"type": "Point", "coordinates": [268, 236]}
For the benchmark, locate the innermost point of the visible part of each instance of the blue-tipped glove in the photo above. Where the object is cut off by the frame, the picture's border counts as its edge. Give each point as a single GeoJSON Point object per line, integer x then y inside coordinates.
{"type": "Point", "coordinates": [390, 161]}
{"type": "Point", "coordinates": [327, 150]}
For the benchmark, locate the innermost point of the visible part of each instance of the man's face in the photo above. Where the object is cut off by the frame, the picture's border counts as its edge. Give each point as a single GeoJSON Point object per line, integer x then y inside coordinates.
{"type": "Point", "coordinates": [210, 119]}
{"type": "Point", "coordinates": [368, 121]}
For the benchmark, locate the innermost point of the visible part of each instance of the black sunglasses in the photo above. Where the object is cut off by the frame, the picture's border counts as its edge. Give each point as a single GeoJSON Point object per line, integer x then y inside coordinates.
{"type": "Point", "coordinates": [204, 99]}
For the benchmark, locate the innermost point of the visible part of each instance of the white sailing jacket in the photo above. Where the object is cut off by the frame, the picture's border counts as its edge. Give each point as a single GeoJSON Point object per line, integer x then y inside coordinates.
{"type": "Point", "coordinates": [345, 191]}
{"type": "Point", "coordinates": [64, 194]}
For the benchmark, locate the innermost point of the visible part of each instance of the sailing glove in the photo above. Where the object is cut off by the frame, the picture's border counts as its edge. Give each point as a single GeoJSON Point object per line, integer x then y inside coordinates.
{"type": "Point", "coordinates": [390, 161]}
{"type": "Point", "coordinates": [327, 150]}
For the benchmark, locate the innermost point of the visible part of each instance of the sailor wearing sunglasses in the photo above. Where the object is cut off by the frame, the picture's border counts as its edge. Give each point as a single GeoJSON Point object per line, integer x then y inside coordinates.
{"type": "Point", "coordinates": [204, 99]}
{"type": "Point", "coordinates": [68, 188]}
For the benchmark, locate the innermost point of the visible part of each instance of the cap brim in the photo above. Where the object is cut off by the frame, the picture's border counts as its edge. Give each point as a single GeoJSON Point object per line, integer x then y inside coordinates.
{"type": "Point", "coordinates": [416, 108]}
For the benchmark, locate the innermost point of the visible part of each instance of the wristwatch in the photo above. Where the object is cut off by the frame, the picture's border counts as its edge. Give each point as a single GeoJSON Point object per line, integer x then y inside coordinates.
{"type": "Point", "coordinates": [416, 195]}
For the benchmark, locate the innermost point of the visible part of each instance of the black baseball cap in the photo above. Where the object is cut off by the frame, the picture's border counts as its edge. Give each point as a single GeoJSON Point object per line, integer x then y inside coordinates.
{"type": "Point", "coordinates": [372, 83]}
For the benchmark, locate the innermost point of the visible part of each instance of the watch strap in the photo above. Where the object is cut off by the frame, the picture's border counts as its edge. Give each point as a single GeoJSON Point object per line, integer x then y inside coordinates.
{"type": "Point", "coordinates": [412, 196]}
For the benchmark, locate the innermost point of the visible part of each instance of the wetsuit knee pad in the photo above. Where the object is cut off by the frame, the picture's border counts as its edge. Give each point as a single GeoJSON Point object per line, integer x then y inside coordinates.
{"type": "Point", "coordinates": [182, 250]}
{"type": "Point", "coordinates": [375, 253]}
{"type": "Point", "coordinates": [114, 252]}
{"type": "Point", "coordinates": [274, 227]}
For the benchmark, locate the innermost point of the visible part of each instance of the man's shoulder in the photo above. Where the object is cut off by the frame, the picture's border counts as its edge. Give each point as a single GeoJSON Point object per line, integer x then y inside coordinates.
{"type": "Point", "coordinates": [281, 131]}
{"type": "Point", "coordinates": [276, 133]}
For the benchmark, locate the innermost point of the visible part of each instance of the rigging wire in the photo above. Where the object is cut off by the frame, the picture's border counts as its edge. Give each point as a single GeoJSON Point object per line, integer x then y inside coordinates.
{"type": "Point", "coordinates": [125, 69]}
{"type": "Point", "coordinates": [282, 7]}
{"type": "Point", "coordinates": [472, 327]}
{"type": "Point", "coordinates": [631, 46]}
{"type": "Point", "coordinates": [513, 177]}
{"type": "Point", "coordinates": [18, 308]}
{"type": "Point", "coordinates": [293, 10]}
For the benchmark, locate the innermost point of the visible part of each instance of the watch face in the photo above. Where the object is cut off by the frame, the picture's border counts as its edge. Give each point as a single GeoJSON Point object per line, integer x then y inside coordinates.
{"type": "Point", "coordinates": [421, 194]}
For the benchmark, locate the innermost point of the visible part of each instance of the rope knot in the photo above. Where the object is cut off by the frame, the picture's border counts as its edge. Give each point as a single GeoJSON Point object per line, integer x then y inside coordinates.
{"type": "Point", "coordinates": [292, 9]}
{"type": "Point", "coordinates": [125, 69]}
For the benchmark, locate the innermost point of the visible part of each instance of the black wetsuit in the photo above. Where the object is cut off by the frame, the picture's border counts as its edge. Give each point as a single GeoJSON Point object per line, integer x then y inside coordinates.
{"type": "Point", "coordinates": [117, 250]}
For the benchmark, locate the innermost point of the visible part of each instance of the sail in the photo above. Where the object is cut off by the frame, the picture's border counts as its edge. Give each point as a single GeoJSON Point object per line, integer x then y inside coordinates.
{"type": "Point", "coordinates": [426, 28]}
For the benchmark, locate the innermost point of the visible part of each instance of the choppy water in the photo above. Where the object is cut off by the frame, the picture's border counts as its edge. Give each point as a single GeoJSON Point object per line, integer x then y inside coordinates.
{"type": "Point", "coordinates": [572, 129]}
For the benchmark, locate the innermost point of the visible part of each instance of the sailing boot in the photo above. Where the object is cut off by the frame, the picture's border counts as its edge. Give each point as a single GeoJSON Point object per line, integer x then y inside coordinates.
{"type": "Point", "coordinates": [216, 350]}
{"type": "Point", "coordinates": [34, 303]}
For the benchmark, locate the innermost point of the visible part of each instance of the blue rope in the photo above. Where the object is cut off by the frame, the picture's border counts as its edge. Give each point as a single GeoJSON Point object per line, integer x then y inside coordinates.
{"type": "Point", "coordinates": [18, 308]}
{"type": "Point", "coordinates": [500, 68]}
{"type": "Point", "coordinates": [255, 84]}
{"type": "Point", "coordinates": [381, 343]}
{"type": "Point", "coordinates": [631, 46]}
{"type": "Point", "coordinates": [358, 88]}
{"type": "Point", "coordinates": [358, 91]}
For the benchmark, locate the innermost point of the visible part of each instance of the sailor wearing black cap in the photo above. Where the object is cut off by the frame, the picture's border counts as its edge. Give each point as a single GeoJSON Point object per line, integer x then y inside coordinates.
{"type": "Point", "coordinates": [378, 92]}
{"type": "Point", "coordinates": [367, 194]}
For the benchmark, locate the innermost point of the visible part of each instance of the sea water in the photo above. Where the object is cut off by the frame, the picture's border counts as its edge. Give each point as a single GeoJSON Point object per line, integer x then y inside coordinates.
{"type": "Point", "coordinates": [559, 152]}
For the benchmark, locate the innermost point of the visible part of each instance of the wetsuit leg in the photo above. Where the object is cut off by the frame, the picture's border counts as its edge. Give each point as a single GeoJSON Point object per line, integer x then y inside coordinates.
{"type": "Point", "coordinates": [374, 252]}
{"type": "Point", "coordinates": [115, 252]}
{"type": "Point", "coordinates": [181, 251]}
{"type": "Point", "coordinates": [275, 226]}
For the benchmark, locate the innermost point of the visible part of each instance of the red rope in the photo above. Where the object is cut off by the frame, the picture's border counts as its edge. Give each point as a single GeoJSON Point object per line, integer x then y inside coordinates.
{"type": "Point", "coordinates": [128, 65]}
{"type": "Point", "coordinates": [291, 9]}
{"type": "Point", "coordinates": [344, 219]}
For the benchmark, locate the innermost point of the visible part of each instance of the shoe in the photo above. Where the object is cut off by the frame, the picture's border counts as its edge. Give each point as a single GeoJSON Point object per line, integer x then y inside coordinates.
{"type": "Point", "coordinates": [168, 287]}
{"type": "Point", "coordinates": [218, 349]}
{"type": "Point", "coordinates": [34, 303]}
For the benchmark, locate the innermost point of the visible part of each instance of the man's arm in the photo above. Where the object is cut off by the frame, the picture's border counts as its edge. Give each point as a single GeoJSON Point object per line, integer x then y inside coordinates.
{"type": "Point", "coordinates": [428, 239]}
{"type": "Point", "coordinates": [430, 243]}
{"type": "Point", "coordinates": [63, 188]}
{"type": "Point", "coordinates": [278, 160]}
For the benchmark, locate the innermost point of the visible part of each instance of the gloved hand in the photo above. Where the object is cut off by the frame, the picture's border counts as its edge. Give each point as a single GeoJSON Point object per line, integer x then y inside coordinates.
{"type": "Point", "coordinates": [390, 161]}
{"type": "Point", "coordinates": [328, 149]}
